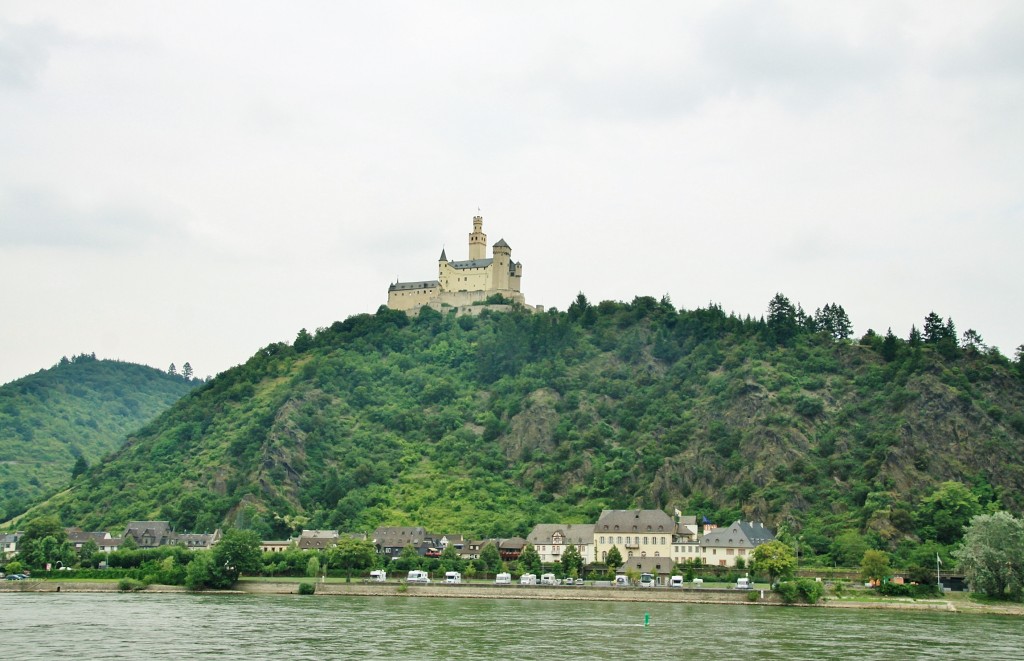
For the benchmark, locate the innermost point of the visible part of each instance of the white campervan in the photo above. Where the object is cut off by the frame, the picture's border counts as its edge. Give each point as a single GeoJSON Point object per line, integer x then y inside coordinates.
{"type": "Point", "coordinates": [378, 576]}
{"type": "Point", "coordinates": [548, 579]}
{"type": "Point", "coordinates": [452, 577]}
{"type": "Point", "coordinates": [417, 576]}
{"type": "Point", "coordinates": [528, 579]}
{"type": "Point", "coordinates": [503, 579]}
{"type": "Point", "coordinates": [675, 582]}
{"type": "Point", "coordinates": [743, 584]}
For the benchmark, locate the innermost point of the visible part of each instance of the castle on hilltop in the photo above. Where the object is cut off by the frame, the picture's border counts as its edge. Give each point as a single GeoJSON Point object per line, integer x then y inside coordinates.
{"type": "Point", "coordinates": [461, 284]}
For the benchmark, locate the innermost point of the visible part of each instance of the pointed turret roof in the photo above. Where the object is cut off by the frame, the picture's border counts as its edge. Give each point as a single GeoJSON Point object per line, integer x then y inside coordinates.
{"type": "Point", "coordinates": [501, 244]}
{"type": "Point", "coordinates": [442, 258]}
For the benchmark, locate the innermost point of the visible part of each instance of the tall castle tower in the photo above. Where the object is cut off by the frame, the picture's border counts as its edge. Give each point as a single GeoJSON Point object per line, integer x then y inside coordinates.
{"type": "Point", "coordinates": [477, 239]}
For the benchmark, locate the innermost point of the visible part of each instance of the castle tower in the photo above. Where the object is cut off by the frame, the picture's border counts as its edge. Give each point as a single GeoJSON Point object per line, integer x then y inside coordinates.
{"type": "Point", "coordinates": [502, 264]}
{"type": "Point", "coordinates": [478, 240]}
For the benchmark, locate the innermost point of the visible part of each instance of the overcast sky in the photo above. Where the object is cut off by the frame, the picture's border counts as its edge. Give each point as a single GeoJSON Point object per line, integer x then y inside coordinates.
{"type": "Point", "coordinates": [191, 181]}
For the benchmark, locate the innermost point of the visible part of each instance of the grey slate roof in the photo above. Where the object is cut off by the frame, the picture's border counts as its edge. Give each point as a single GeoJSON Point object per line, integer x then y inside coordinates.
{"type": "Point", "coordinates": [634, 521]}
{"type": "Point", "coordinates": [649, 564]}
{"type": "Point", "coordinates": [501, 244]}
{"type": "Point", "coordinates": [419, 284]}
{"type": "Point", "coordinates": [741, 534]}
{"type": "Point", "coordinates": [471, 264]}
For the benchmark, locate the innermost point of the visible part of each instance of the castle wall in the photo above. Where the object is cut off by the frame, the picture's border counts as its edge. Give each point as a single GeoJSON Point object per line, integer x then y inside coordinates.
{"type": "Point", "coordinates": [411, 299]}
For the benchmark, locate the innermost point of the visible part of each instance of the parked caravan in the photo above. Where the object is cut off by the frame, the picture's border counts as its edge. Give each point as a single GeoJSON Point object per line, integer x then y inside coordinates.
{"type": "Point", "coordinates": [743, 584]}
{"type": "Point", "coordinates": [675, 582]}
{"type": "Point", "coordinates": [452, 577]}
{"type": "Point", "coordinates": [548, 579]}
{"type": "Point", "coordinates": [417, 576]}
{"type": "Point", "coordinates": [621, 580]}
{"type": "Point", "coordinates": [378, 576]}
{"type": "Point", "coordinates": [503, 579]}
{"type": "Point", "coordinates": [528, 579]}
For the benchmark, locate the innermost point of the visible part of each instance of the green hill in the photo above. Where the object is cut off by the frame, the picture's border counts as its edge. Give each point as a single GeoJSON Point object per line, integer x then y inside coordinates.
{"type": "Point", "coordinates": [486, 425]}
{"type": "Point", "coordinates": [80, 408]}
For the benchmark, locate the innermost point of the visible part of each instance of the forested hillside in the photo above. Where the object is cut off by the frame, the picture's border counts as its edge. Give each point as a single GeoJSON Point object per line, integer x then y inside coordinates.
{"type": "Point", "coordinates": [487, 425]}
{"type": "Point", "coordinates": [57, 421]}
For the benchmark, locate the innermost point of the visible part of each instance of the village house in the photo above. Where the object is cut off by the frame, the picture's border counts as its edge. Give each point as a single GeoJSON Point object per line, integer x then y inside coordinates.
{"type": "Point", "coordinates": [723, 546]}
{"type": "Point", "coordinates": [639, 533]}
{"type": "Point", "coordinates": [317, 539]}
{"type": "Point", "coordinates": [662, 568]}
{"type": "Point", "coordinates": [152, 534]}
{"type": "Point", "coordinates": [390, 540]}
{"type": "Point", "coordinates": [9, 544]}
{"type": "Point", "coordinates": [104, 541]}
{"type": "Point", "coordinates": [551, 539]}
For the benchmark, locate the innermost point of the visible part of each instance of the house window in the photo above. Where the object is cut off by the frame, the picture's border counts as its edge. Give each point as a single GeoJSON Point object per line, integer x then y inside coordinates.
{"type": "Point", "coordinates": [620, 539]}
{"type": "Point", "coordinates": [645, 541]}
{"type": "Point", "coordinates": [662, 540]}
{"type": "Point", "coordinates": [602, 539]}
{"type": "Point", "coordinates": [627, 540]}
{"type": "Point", "coordinates": [657, 555]}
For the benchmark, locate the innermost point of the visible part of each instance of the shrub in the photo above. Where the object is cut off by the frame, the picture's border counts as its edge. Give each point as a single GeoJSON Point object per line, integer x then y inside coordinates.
{"type": "Point", "coordinates": [307, 588]}
{"type": "Point", "coordinates": [803, 588]}
{"type": "Point", "coordinates": [130, 585]}
{"type": "Point", "coordinates": [753, 595]}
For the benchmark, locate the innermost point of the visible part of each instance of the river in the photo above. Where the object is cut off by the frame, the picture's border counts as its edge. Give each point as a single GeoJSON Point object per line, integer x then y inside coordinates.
{"type": "Point", "coordinates": [179, 626]}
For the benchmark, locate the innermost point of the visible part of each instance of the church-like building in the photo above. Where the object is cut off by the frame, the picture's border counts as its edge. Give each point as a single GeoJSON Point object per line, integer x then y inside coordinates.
{"type": "Point", "coordinates": [460, 284]}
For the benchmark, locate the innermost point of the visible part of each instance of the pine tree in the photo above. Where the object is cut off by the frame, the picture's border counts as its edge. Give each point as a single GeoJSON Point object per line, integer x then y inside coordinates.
{"type": "Point", "coordinates": [186, 371]}
{"type": "Point", "coordinates": [172, 370]}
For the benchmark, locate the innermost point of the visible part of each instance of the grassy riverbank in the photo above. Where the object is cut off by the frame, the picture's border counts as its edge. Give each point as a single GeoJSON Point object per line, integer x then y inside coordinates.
{"type": "Point", "coordinates": [955, 602]}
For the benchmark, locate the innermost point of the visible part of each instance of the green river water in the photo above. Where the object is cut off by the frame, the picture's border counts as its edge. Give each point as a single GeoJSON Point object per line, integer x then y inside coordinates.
{"type": "Point", "coordinates": [184, 626]}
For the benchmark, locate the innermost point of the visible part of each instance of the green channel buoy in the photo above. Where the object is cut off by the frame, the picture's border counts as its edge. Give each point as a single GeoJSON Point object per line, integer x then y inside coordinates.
{"type": "Point", "coordinates": [647, 619]}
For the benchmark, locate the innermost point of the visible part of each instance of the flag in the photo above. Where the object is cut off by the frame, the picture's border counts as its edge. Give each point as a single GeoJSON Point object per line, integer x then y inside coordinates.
{"type": "Point", "coordinates": [704, 516]}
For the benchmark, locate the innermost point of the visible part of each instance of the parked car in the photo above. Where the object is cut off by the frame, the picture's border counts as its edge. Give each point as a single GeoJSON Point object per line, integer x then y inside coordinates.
{"type": "Point", "coordinates": [579, 581]}
{"type": "Point", "coordinates": [16, 577]}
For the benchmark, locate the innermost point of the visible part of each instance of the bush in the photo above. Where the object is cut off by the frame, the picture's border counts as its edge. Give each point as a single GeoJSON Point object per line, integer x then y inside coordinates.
{"type": "Point", "coordinates": [307, 588]}
{"type": "Point", "coordinates": [753, 595]}
{"type": "Point", "coordinates": [803, 589]}
{"type": "Point", "coordinates": [920, 591]}
{"type": "Point", "coordinates": [130, 585]}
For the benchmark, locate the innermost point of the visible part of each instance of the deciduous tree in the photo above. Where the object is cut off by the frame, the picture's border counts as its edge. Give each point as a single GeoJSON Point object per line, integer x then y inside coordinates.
{"type": "Point", "coordinates": [874, 565]}
{"type": "Point", "coordinates": [351, 554]}
{"type": "Point", "coordinates": [992, 555]}
{"type": "Point", "coordinates": [775, 559]}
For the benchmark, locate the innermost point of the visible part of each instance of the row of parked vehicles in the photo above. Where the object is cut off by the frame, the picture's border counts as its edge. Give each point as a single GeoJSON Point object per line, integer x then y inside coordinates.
{"type": "Point", "coordinates": [504, 578]}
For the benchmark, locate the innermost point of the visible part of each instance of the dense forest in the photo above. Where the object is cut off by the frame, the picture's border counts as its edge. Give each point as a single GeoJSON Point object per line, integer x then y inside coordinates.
{"type": "Point", "coordinates": [486, 425]}
{"type": "Point", "coordinates": [56, 422]}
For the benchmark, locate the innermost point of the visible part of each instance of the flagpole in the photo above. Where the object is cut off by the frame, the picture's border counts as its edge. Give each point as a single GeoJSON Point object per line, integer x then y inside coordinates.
{"type": "Point", "coordinates": [938, 563]}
